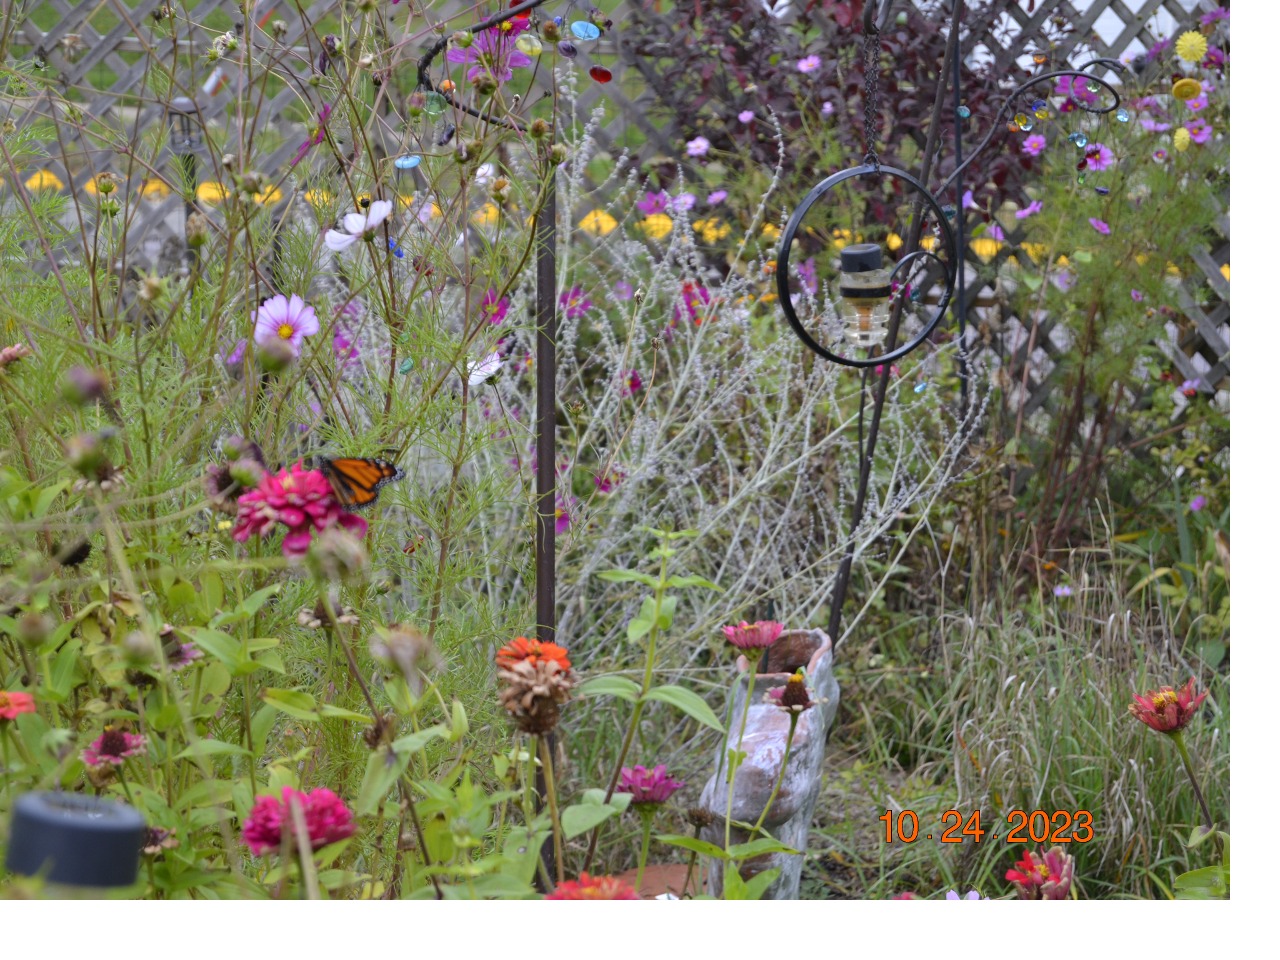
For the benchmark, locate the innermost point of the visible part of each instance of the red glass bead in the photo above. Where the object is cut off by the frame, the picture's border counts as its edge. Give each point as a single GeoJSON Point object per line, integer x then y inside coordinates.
{"type": "Point", "coordinates": [601, 74]}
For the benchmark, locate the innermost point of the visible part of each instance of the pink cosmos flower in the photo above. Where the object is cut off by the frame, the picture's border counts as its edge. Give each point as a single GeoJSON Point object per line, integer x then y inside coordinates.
{"type": "Point", "coordinates": [284, 318]}
{"type": "Point", "coordinates": [1214, 16]}
{"type": "Point", "coordinates": [112, 747]}
{"type": "Point", "coordinates": [1137, 296]}
{"type": "Point", "coordinates": [1200, 131]}
{"type": "Point", "coordinates": [300, 500]}
{"type": "Point", "coordinates": [325, 816]}
{"type": "Point", "coordinates": [1033, 145]}
{"type": "Point", "coordinates": [494, 307]}
{"type": "Point", "coordinates": [1152, 127]}
{"type": "Point", "coordinates": [746, 116]}
{"type": "Point", "coordinates": [608, 482]}
{"type": "Point", "coordinates": [623, 290]}
{"type": "Point", "coordinates": [574, 302]}
{"type": "Point", "coordinates": [648, 788]}
{"type": "Point", "coordinates": [493, 51]}
{"type": "Point", "coordinates": [753, 636]}
{"type": "Point", "coordinates": [1100, 225]}
{"type": "Point", "coordinates": [683, 202]}
{"type": "Point", "coordinates": [1074, 87]}
{"type": "Point", "coordinates": [828, 108]}
{"type": "Point", "coordinates": [564, 516]}
{"type": "Point", "coordinates": [1215, 58]}
{"type": "Point", "coordinates": [651, 203]}
{"type": "Point", "coordinates": [716, 197]}
{"type": "Point", "coordinates": [1197, 503]}
{"type": "Point", "coordinates": [809, 64]}
{"type": "Point", "coordinates": [1197, 103]}
{"type": "Point", "coordinates": [1098, 157]}
{"type": "Point", "coordinates": [1032, 208]}
{"type": "Point", "coordinates": [697, 147]}
{"type": "Point", "coordinates": [631, 383]}
{"type": "Point", "coordinates": [316, 138]}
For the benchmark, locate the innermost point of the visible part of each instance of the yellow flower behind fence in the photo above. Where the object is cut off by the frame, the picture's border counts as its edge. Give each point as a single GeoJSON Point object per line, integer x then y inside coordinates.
{"type": "Point", "coordinates": [598, 223]}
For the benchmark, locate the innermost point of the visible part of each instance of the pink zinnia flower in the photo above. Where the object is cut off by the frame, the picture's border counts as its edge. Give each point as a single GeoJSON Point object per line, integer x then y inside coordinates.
{"type": "Point", "coordinates": [792, 697]}
{"type": "Point", "coordinates": [697, 147]}
{"type": "Point", "coordinates": [587, 887]}
{"type": "Point", "coordinates": [494, 307]}
{"type": "Point", "coordinates": [809, 64]}
{"type": "Point", "coordinates": [647, 787]}
{"type": "Point", "coordinates": [325, 816]}
{"type": "Point", "coordinates": [112, 747]}
{"type": "Point", "coordinates": [694, 296]}
{"type": "Point", "coordinates": [300, 500]}
{"type": "Point", "coordinates": [1033, 145]}
{"type": "Point", "coordinates": [574, 302]}
{"type": "Point", "coordinates": [1042, 876]}
{"type": "Point", "coordinates": [651, 203]}
{"type": "Point", "coordinates": [15, 702]}
{"type": "Point", "coordinates": [1098, 157]}
{"type": "Point", "coordinates": [493, 51]}
{"type": "Point", "coordinates": [1100, 225]}
{"type": "Point", "coordinates": [1167, 710]}
{"type": "Point", "coordinates": [284, 318]}
{"type": "Point", "coordinates": [753, 636]}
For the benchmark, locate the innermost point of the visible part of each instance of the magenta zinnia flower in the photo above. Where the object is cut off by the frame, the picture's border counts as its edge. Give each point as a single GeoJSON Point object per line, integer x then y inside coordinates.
{"type": "Point", "coordinates": [647, 787]}
{"type": "Point", "coordinates": [753, 636]}
{"type": "Point", "coordinates": [284, 318]}
{"type": "Point", "coordinates": [574, 302]}
{"type": "Point", "coordinates": [300, 500]}
{"type": "Point", "coordinates": [325, 816]}
{"type": "Point", "coordinates": [493, 51]}
{"type": "Point", "coordinates": [112, 747]}
{"type": "Point", "coordinates": [1167, 710]}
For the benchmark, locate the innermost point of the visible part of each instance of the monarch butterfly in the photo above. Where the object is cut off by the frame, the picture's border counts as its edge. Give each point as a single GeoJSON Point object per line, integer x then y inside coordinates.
{"type": "Point", "coordinates": [356, 480]}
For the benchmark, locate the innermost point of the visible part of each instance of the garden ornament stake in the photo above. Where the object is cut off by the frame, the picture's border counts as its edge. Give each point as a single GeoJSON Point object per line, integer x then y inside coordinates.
{"type": "Point", "coordinates": [75, 840]}
{"type": "Point", "coordinates": [872, 313]}
{"type": "Point", "coordinates": [184, 141]}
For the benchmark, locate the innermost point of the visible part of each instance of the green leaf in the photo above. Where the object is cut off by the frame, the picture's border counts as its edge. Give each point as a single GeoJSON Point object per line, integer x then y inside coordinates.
{"type": "Point", "coordinates": [459, 725]}
{"type": "Point", "coordinates": [620, 687]}
{"type": "Point", "coordinates": [619, 801]}
{"type": "Point", "coordinates": [692, 843]}
{"type": "Point", "coordinates": [217, 644]}
{"type": "Point", "coordinates": [341, 713]}
{"type": "Point", "coordinates": [640, 625]}
{"type": "Point", "coordinates": [63, 674]}
{"type": "Point", "coordinates": [212, 748]}
{"type": "Point", "coordinates": [629, 576]}
{"type": "Point", "coordinates": [694, 582]}
{"type": "Point", "coordinates": [581, 817]}
{"type": "Point", "coordinates": [1207, 883]}
{"type": "Point", "coordinates": [758, 848]}
{"type": "Point", "coordinates": [1084, 256]}
{"type": "Point", "coordinates": [668, 614]}
{"type": "Point", "coordinates": [688, 702]}
{"type": "Point", "coordinates": [758, 884]}
{"type": "Point", "coordinates": [181, 594]}
{"type": "Point", "coordinates": [380, 774]}
{"type": "Point", "coordinates": [295, 703]}
{"type": "Point", "coordinates": [413, 742]}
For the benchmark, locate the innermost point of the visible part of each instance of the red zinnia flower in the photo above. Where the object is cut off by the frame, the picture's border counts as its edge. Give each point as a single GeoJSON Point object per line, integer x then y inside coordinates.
{"type": "Point", "coordinates": [325, 816]}
{"type": "Point", "coordinates": [1167, 710]}
{"type": "Point", "coordinates": [1043, 876]}
{"type": "Point", "coordinates": [532, 651]}
{"type": "Point", "coordinates": [587, 887]}
{"type": "Point", "coordinates": [12, 704]}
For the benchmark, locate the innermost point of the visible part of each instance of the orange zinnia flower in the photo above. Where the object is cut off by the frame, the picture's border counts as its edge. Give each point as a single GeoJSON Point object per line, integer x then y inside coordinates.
{"type": "Point", "coordinates": [12, 704]}
{"type": "Point", "coordinates": [587, 887]}
{"type": "Point", "coordinates": [531, 651]}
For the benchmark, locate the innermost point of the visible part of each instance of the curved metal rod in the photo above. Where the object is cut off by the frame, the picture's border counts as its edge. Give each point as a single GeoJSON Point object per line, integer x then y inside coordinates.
{"type": "Point", "coordinates": [868, 10]}
{"type": "Point", "coordinates": [424, 65]}
{"type": "Point", "coordinates": [783, 281]}
{"type": "Point", "coordinates": [1022, 88]}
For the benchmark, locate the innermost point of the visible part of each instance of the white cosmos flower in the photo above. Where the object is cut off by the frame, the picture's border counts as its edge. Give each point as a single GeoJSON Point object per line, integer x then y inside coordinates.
{"type": "Point", "coordinates": [358, 226]}
{"type": "Point", "coordinates": [482, 370]}
{"type": "Point", "coordinates": [484, 173]}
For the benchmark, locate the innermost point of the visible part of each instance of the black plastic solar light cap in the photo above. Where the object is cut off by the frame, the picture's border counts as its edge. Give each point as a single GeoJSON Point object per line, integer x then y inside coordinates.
{"type": "Point", "coordinates": [75, 839]}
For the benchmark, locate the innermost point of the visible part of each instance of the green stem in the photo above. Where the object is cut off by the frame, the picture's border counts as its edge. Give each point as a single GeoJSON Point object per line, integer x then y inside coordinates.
{"type": "Point", "coordinates": [548, 772]}
{"type": "Point", "coordinates": [646, 821]}
{"type": "Point", "coordinates": [782, 772]}
{"type": "Point", "coordinates": [753, 660]}
{"type": "Point", "coordinates": [1176, 736]}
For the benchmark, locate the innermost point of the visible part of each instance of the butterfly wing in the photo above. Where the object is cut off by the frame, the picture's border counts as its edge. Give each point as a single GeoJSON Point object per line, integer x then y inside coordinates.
{"type": "Point", "coordinates": [357, 480]}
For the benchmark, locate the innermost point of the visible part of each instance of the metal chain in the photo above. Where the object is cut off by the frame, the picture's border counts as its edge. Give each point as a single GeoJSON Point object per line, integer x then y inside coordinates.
{"type": "Point", "coordinates": [871, 94]}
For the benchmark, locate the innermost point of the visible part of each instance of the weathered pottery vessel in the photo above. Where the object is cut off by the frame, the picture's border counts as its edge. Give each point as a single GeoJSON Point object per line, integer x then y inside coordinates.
{"type": "Point", "coordinates": [764, 742]}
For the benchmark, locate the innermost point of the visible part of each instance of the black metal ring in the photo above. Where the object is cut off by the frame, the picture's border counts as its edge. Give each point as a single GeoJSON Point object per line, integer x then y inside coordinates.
{"type": "Point", "coordinates": [75, 839]}
{"type": "Point", "coordinates": [783, 281]}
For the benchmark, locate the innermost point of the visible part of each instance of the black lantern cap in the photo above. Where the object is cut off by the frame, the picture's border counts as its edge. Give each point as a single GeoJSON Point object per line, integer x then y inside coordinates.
{"type": "Point", "coordinates": [861, 257]}
{"type": "Point", "coordinates": [75, 839]}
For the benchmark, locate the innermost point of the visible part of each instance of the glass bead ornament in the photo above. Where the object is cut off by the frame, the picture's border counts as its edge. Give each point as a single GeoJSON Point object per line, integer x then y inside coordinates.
{"type": "Point", "coordinates": [963, 112]}
{"type": "Point", "coordinates": [1122, 115]}
{"type": "Point", "coordinates": [1080, 177]}
{"type": "Point", "coordinates": [406, 365]}
{"type": "Point", "coordinates": [1023, 121]}
{"type": "Point", "coordinates": [435, 105]}
{"type": "Point", "coordinates": [1101, 191]}
{"type": "Point", "coordinates": [1079, 139]}
{"type": "Point", "coordinates": [1039, 57]}
{"type": "Point", "coordinates": [584, 30]}
{"type": "Point", "coordinates": [407, 162]}
{"type": "Point", "coordinates": [601, 74]}
{"type": "Point", "coordinates": [1093, 86]}
{"type": "Point", "coordinates": [1040, 109]}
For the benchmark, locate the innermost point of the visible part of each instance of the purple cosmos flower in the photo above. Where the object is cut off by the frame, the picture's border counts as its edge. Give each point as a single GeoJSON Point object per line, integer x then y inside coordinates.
{"type": "Point", "coordinates": [808, 273]}
{"type": "Point", "coordinates": [358, 226]}
{"type": "Point", "coordinates": [345, 349]}
{"type": "Point", "coordinates": [623, 290]}
{"type": "Point", "coordinates": [717, 196]}
{"type": "Point", "coordinates": [1100, 225]}
{"type": "Point", "coordinates": [574, 302]}
{"type": "Point", "coordinates": [112, 748]}
{"type": "Point", "coordinates": [971, 895]}
{"type": "Point", "coordinates": [493, 51]}
{"type": "Point", "coordinates": [648, 788]}
{"type": "Point", "coordinates": [828, 108]}
{"type": "Point", "coordinates": [1074, 87]}
{"type": "Point", "coordinates": [966, 201]}
{"type": "Point", "coordinates": [564, 515]}
{"type": "Point", "coordinates": [683, 202]}
{"type": "Point", "coordinates": [1159, 48]}
{"type": "Point", "coordinates": [994, 231]}
{"type": "Point", "coordinates": [1062, 590]}
{"type": "Point", "coordinates": [697, 147]}
{"type": "Point", "coordinates": [1197, 103]}
{"type": "Point", "coordinates": [234, 357]}
{"type": "Point", "coordinates": [1197, 504]}
{"type": "Point", "coordinates": [1033, 207]}
{"type": "Point", "coordinates": [1189, 387]}
{"type": "Point", "coordinates": [809, 64]}
{"type": "Point", "coordinates": [1160, 156]}
{"type": "Point", "coordinates": [1214, 59]}
{"type": "Point", "coordinates": [1137, 296]}
{"type": "Point", "coordinates": [1214, 16]}
{"type": "Point", "coordinates": [1098, 157]}
{"type": "Point", "coordinates": [317, 135]}
{"type": "Point", "coordinates": [652, 204]}
{"type": "Point", "coordinates": [494, 307]}
{"type": "Point", "coordinates": [1151, 126]}
{"type": "Point", "coordinates": [1033, 145]}
{"type": "Point", "coordinates": [284, 318]}
{"type": "Point", "coordinates": [631, 383]}
{"type": "Point", "coordinates": [1200, 131]}
{"type": "Point", "coordinates": [1064, 280]}
{"type": "Point", "coordinates": [746, 116]}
